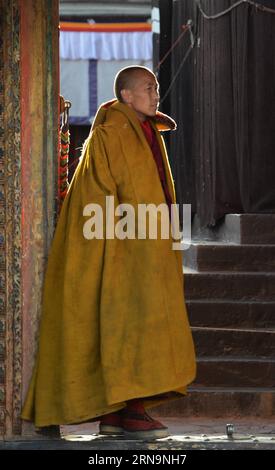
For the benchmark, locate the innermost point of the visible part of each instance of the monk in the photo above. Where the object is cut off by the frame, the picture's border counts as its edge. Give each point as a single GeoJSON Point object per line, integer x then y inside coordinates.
{"type": "Point", "coordinates": [114, 337]}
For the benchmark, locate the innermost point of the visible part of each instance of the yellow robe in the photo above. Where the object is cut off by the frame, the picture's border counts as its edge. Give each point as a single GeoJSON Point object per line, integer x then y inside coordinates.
{"type": "Point", "coordinates": [114, 324]}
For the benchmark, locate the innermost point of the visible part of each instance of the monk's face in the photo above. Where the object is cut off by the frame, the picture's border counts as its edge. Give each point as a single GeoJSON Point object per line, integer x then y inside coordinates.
{"type": "Point", "coordinates": [143, 95]}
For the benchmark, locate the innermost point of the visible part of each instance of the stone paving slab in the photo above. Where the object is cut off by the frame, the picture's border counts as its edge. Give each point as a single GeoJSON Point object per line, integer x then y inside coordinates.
{"type": "Point", "coordinates": [186, 434]}
{"type": "Point", "coordinates": [174, 443]}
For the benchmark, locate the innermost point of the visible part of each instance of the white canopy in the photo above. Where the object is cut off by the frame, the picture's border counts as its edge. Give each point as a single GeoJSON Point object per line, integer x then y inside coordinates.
{"type": "Point", "coordinates": [77, 45]}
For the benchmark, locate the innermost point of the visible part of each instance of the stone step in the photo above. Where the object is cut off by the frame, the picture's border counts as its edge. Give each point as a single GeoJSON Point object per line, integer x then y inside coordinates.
{"type": "Point", "coordinates": [220, 402]}
{"type": "Point", "coordinates": [234, 342]}
{"type": "Point", "coordinates": [230, 286]}
{"type": "Point", "coordinates": [230, 314]}
{"type": "Point", "coordinates": [209, 256]}
{"type": "Point", "coordinates": [235, 372]}
{"type": "Point", "coordinates": [239, 228]}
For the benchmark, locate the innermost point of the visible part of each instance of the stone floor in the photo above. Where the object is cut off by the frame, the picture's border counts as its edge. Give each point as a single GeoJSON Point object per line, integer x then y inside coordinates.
{"type": "Point", "coordinates": [187, 434]}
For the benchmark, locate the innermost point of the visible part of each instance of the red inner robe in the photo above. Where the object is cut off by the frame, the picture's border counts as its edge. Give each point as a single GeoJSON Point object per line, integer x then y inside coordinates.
{"type": "Point", "coordinates": [152, 140]}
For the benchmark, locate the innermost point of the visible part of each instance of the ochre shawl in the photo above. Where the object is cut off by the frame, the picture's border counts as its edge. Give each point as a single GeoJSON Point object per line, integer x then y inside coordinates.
{"type": "Point", "coordinates": [114, 324]}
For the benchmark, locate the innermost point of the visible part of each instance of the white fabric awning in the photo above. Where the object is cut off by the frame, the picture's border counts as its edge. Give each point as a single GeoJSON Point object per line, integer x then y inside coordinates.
{"type": "Point", "coordinates": [76, 45]}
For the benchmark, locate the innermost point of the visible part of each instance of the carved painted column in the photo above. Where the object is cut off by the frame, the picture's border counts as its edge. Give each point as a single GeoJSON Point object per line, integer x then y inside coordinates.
{"type": "Point", "coordinates": [28, 186]}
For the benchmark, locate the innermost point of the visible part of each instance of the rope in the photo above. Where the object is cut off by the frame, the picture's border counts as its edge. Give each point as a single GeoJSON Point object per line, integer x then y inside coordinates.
{"type": "Point", "coordinates": [185, 28]}
{"type": "Point", "coordinates": [258, 6]}
{"type": "Point", "coordinates": [178, 71]}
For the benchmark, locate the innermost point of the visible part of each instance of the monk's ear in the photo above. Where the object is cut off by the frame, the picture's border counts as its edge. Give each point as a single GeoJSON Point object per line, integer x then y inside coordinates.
{"type": "Point", "coordinates": [126, 95]}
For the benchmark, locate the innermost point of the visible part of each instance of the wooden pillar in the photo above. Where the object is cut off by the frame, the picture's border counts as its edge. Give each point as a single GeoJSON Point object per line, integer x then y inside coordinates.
{"type": "Point", "coordinates": [29, 87]}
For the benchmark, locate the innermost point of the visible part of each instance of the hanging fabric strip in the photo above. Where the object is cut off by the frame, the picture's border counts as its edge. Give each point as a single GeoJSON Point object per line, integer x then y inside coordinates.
{"type": "Point", "coordinates": [63, 155]}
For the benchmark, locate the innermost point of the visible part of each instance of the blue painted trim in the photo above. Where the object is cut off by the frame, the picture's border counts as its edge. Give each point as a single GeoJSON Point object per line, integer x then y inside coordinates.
{"type": "Point", "coordinates": [92, 87]}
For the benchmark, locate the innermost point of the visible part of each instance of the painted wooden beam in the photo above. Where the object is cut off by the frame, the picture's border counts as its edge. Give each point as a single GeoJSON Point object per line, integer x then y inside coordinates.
{"type": "Point", "coordinates": [39, 46]}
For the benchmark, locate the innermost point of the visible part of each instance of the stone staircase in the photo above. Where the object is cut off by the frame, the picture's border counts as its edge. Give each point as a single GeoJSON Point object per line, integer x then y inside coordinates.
{"type": "Point", "coordinates": [230, 295]}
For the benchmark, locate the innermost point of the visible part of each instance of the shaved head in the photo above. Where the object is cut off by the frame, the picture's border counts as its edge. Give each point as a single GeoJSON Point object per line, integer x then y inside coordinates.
{"type": "Point", "coordinates": [126, 78]}
{"type": "Point", "coordinates": [137, 87]}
